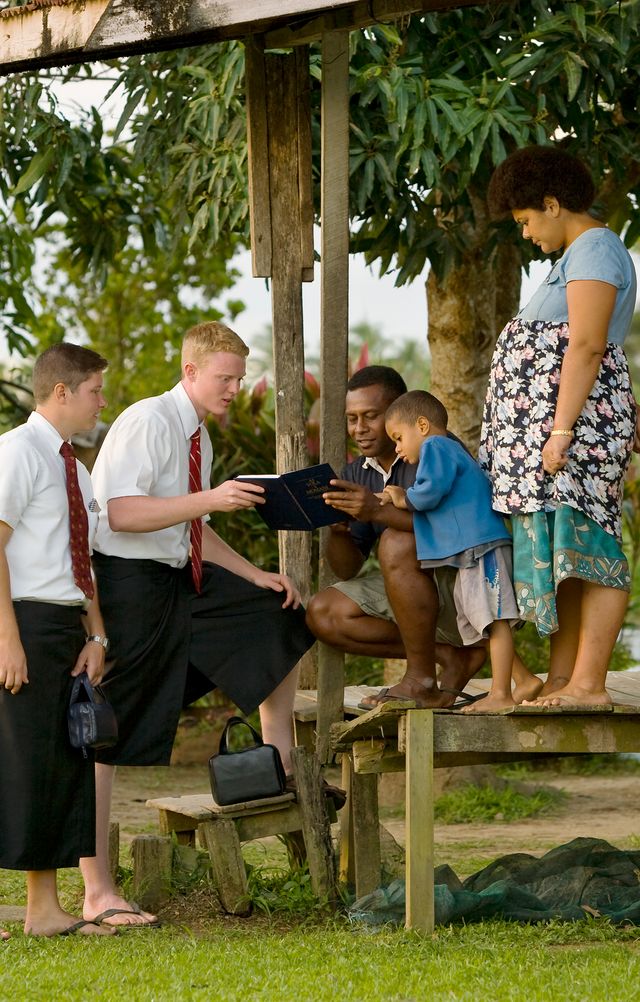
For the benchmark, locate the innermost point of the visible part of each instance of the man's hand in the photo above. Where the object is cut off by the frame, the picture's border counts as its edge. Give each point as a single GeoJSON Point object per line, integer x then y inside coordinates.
{"type": "Point", "coordinates": [234, 494]}
{"type": "Point", "coordinates": [91, 659]}
{"type": "Point", "coordinates": [13, 666]}
{"type": "Point", "coordinates": [279, 582]}
{"type": "Point", "coordinates": [353, 499]}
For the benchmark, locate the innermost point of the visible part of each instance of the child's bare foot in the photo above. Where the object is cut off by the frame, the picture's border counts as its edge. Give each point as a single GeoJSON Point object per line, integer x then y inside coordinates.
{"type": "Point", "coordinates": [527, 689]}
{"type": "Point", "coordinates": [490, 704]}
{"type": "Point", "coordinates": [553, 684]}
{"type": "Point", "coordinates": [4, 934]}
{"type": "Point", "coordinates": [573, 696]}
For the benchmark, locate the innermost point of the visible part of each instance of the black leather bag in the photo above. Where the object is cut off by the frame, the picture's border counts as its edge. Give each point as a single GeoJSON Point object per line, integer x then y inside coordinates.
{"type": "Point", "coordinates": [92, 720]}
{"type": "Point", "coordinates": [249, 774]}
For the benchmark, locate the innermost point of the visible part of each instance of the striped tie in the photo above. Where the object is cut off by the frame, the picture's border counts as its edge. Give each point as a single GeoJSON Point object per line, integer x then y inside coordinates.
{"type": "Point", "coordinates": [78, 524]}
{"type": "Point", "coordinates": [195, 486]}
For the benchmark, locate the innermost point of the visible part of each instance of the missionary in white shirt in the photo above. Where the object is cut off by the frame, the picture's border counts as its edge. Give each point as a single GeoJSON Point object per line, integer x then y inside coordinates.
{"type": "Point", "coordinates": [244, 632]}
{"type": "Point", "coordinates": [50, 631]}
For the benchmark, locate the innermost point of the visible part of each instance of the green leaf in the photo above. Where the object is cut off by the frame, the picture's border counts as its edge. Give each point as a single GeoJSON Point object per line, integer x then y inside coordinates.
{"type": "Point", "coordinates": [38, 166]}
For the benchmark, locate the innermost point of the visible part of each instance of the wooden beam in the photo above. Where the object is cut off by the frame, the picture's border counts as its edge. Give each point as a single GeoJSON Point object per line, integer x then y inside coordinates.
{"type": "Point", "coordinates": [334, 328]}
{"type": "Point", "coordinates": [59, 33]}
{"type": "Point", "coordinates": [258, 158]}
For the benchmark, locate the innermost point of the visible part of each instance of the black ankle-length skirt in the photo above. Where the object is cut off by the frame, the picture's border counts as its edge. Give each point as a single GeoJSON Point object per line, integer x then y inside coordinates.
{"type": "Point", "coordinates": [170, 646]}
{"type": "Point", "coordinates": [47, 788]}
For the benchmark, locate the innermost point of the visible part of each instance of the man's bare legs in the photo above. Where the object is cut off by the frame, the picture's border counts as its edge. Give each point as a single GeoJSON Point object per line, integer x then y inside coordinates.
{"type": "Point", "coordinates": [276, 717]}
{"type": "Point", "coordinates": [44, 915]}
{"type": "Point", "coordinates": [101, 893]}
{"type": "Point", "coordinates": [338, 621]}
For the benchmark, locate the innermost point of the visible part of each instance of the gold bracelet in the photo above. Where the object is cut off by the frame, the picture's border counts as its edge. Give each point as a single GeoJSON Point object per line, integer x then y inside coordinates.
{"type": "Point", "coordinates": [565, 432]}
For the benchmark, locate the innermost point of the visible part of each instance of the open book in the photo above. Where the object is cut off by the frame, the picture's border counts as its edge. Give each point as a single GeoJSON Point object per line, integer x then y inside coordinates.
{"type": "Point", "coordinates": [294, 500]}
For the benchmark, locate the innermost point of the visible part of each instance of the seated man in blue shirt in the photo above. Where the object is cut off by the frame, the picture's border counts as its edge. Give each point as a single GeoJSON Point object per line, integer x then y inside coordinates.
{"type": "Point", "coordinates": [400, 612]}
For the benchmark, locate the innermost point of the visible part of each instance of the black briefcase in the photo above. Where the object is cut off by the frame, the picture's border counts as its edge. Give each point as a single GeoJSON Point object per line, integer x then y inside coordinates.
{"type": "Point", "coordinates": [92, 720]}
{"type": "Point", "coordinates": [249, 774]}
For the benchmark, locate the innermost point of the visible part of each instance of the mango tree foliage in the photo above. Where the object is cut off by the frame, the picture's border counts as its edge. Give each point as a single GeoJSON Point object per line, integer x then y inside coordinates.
{"type": "Point", "coordinates": [436, 102]}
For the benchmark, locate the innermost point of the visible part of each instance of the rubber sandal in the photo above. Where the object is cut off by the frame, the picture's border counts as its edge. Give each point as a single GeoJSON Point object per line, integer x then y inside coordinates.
{"type": "Point", "coordinates": [134, 910]}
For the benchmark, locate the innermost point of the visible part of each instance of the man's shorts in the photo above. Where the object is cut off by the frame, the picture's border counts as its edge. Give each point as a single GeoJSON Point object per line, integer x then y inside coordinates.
{"type": "Point", "coordinates": [368, 592]}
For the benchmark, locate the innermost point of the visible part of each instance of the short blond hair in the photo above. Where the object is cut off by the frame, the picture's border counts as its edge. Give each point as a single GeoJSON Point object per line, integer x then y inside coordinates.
{"type": "Point", "coordinates": [207, 338]}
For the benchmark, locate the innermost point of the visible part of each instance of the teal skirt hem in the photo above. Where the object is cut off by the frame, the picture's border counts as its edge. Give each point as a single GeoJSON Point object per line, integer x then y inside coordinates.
{"type": "Point", "coordinates": [548, 548]}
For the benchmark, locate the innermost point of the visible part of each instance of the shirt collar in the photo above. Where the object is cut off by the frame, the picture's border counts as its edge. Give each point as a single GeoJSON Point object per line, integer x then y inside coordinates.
{"type": "Point", "coordinates": [372, 463]}
{"type": "Point", "coordinates": [186, 410]}
{"type": "Point", "coordinates": [50, 435]}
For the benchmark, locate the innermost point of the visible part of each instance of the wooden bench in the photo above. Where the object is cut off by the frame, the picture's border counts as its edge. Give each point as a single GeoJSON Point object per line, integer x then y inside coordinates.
{"type": "Point", "coordinates": [223, 829]}
{"type": "Point", "coordinates": [392, 738]}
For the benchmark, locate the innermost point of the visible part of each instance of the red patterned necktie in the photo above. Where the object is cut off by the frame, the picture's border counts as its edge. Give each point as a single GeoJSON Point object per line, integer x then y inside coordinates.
{"type": "Point", "coordinates": [78, 524]}
{"type": "Point", "coordinates": [195, 486]}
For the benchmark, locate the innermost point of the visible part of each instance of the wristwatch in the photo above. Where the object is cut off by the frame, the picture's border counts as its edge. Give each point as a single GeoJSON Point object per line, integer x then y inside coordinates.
{"type": "Point", "coordinates": [103, 641]}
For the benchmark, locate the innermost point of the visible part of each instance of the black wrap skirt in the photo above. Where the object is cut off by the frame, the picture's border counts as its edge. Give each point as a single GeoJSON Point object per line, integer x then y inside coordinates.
{"type": "Point", "coordinates": [170, 646]}
{"type": "Point", "coordinates": [47, 788]}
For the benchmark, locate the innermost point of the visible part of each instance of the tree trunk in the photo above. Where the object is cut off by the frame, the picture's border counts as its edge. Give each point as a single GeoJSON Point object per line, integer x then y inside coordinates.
{"type": "Point", "coordinates": [467, 311]}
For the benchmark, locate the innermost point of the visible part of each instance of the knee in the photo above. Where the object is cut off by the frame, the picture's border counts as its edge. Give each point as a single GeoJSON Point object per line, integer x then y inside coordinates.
{"type": "Point", "coordinates": [320, 614]}
{"type": "Point", "coordinates": [397, 551]}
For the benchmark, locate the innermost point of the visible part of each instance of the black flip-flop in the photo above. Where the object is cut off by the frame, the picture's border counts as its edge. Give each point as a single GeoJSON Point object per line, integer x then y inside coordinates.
{"type": "Point", "coordinates": [134, 910]}
{"type": "Point", "coordinates": [464, 698]}
{"type": "Point", "coordinates": [80, 924]}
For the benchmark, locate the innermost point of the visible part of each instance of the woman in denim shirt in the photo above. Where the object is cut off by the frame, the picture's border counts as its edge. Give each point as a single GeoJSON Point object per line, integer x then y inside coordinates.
{"type": "Point", "coordinates": [559, 422]}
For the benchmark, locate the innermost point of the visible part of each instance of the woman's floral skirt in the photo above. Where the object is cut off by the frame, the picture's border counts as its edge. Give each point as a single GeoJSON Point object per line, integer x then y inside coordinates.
{"type": "Point", "coordinates": [518, 416]}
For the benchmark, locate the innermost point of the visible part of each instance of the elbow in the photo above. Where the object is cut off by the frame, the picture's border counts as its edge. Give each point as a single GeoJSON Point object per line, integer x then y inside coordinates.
{"type": "Point", "coordinates": [117, 517]}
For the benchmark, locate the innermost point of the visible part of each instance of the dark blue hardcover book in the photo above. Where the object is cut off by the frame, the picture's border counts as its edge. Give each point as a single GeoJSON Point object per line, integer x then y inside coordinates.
{"type": "Point", "coordinates": [294, 500]}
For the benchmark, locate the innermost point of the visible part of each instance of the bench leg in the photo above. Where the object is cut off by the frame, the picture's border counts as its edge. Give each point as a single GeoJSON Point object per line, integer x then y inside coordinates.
{"type": "Point", "coordinates": [222, 841]}
{"type": "Point", "coordinates": [347, 871]}
{"type": "Point", "coordinates": [419, 821]}
{"type": "Point", "coordinates": [315, 822]}
{"type": "Point", "coordinates": [366, 836]}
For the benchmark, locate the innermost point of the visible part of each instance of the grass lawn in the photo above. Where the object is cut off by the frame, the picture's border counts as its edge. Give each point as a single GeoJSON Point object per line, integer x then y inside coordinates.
{"type": "Point", "coordinates": [257, 958]}
{"type": "Point", "coordinates": [300, 953]}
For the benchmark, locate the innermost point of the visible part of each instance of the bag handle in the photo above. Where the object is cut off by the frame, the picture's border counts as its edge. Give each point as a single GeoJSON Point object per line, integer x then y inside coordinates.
{"type": "Point", "coordinates": [232, 722]}
{"type": "Point", "coordinates": [82, 680]}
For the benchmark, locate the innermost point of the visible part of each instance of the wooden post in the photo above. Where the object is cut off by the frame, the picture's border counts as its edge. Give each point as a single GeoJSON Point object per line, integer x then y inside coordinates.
{"type": "Point", "coordinates": [152, 864]}
{"type": "Point", "coordinates": [223, 843]}
{"type": "Point", "coordinates": [420, 912]}
{"type": "Point", "coordinates": [282, 77]}
{"type": "Point", "coordinates": [315, 823]}
{"type": "Point", "coordinates": [366, 834]}
{"type": "Point", "coordinates": [346, 869]}
{"type": "Point", "coordinates": [334, 343]}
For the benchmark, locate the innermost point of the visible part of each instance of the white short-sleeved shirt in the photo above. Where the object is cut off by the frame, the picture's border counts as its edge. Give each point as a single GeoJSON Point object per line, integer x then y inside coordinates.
{"type": "Point", "coordinates": [33, 501]}
{"type": "Point", "coordinates": [598, 255]}
{"type": "Point", "coordinates": [146, 454]}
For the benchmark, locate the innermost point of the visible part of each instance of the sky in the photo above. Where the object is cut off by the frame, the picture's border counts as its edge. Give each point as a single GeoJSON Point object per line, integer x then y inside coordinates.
{"type": "Point", "coordinates": [399, 312]}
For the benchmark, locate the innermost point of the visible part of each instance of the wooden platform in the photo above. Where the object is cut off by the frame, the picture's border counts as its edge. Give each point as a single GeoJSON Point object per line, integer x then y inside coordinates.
{"type": "Point", "coordinates": [393, 738]}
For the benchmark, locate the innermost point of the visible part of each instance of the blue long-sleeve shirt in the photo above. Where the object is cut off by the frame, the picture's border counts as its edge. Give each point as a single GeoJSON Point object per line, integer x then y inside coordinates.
{"type": "Point", "coordinates": [451, 502]}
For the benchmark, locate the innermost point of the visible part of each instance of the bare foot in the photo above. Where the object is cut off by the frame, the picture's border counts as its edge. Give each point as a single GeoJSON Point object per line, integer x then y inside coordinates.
{"type": "Point", "coordinates": [553, 684]}
{"type": "Point", "coordinates": [122, 912]}
{"type": "Point", "coordinates": [568, 697]}
{"type": "Point", "coordinates": [425, 697]}
{"type": "Point", "coordinates": [490, 704]}
{"type": "Point", "coordinates": [527, 690]}
{"type": "Point", "coordinates": [61, 923]}
{"type": "Point", "coordinates": [4, 934]}
{"type": "Point", "coordinates": [458, 664]}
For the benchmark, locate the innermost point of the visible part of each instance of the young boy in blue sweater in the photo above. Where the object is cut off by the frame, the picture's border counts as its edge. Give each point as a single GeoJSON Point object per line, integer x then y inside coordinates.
{"type": "Point", "coordinates": [455, 525]}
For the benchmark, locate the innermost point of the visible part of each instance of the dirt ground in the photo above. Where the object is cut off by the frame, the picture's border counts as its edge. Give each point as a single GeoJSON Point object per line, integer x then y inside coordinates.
{"type": "Point", "coordinates": [600, 806]}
